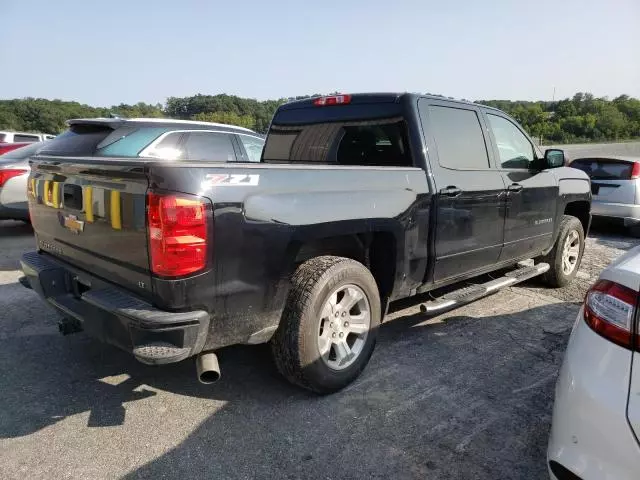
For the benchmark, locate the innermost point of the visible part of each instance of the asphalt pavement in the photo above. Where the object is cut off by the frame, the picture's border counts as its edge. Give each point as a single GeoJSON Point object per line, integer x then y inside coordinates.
{"type": "Point", "coordinates": [465, 395]}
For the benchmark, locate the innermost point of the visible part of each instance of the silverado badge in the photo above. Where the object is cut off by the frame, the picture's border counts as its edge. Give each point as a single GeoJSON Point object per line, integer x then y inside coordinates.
{"type": "Point", "coordinates": [72, 223]}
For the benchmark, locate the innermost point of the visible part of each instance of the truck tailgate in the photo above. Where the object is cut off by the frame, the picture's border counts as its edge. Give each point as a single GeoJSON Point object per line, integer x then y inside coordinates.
{"type": "Point", "coordinates": [91, 213]}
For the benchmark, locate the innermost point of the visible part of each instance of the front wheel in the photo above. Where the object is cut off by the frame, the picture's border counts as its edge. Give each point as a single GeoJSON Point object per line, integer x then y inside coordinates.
{"type": "Point", "coordinates": [329, 325]}
{"type": "Point", "coordinates": [566, 254]}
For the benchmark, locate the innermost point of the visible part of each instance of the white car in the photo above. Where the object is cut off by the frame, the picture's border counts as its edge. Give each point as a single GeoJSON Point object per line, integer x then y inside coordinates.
{"type": "Point", "coordinates": [22, 137]}
{"type": "Point", "coordinates": [596, 416]}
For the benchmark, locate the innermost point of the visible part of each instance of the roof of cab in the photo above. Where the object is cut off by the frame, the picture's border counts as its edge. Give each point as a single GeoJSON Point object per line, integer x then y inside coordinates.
{"type": "Point", "coordinates": [116, 122]}
{"type": "Point", "coordinates": [382, 97]}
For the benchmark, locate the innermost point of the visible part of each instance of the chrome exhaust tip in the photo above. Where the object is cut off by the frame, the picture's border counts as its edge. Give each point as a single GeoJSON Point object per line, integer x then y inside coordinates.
{"type": "Point", "coordinates": [207, 368]}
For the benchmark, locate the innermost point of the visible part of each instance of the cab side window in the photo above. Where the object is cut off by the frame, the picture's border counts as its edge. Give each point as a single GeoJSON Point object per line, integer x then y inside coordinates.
{"type": "Point", "coordinates": [459, 139]}
{"type": "Point", "coordinates": [514, 149]}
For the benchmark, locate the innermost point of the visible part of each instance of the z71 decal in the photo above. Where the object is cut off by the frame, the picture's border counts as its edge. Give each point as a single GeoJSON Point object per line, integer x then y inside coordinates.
{"type": "Point", "coordinates": [231, 180]}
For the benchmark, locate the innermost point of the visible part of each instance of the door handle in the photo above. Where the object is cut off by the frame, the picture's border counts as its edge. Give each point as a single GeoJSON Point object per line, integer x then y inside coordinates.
{"type": "Point", "coordinates": [514, 187]}
{"type": "Point", "coordinates": [451, 191]}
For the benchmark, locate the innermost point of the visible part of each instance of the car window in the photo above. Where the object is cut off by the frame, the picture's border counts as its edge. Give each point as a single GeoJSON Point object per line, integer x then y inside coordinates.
{"type": "Point", "coordinates": [604, 169]}
{"type": "Point", "coordinates": [253, 146]}
{"type": "Point", "coordinates": [17, 138]}
{"type": "Point", "coordinates": [4, 137]}
{"type": "Point", "coordinates": [514, 148]}
{"type": "Point", "coordinates": [79, 140]}
{"type": "Point", "coordinates": [209, 146]}
{"type": "Point", "coordinates": [367, 143]}
{"type": "Point", "coordinates": [459, 139]}
{"type": "Point", "coordinates": [169, 147]}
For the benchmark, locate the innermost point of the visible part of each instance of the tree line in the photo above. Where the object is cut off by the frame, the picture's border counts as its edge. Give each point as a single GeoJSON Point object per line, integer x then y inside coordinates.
{"type": "Point", "coordinates": [581, 118]}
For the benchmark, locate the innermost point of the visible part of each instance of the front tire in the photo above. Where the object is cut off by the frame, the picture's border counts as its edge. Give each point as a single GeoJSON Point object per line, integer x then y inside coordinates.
{"type": "Point", "coordinates": [565, 256]}
{"type": "Point", "coordinates": [329, 325]}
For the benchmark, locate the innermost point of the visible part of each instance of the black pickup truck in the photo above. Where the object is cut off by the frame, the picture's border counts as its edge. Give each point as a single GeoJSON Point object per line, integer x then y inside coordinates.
{"type": "Point", "coordinates": [358, 200]}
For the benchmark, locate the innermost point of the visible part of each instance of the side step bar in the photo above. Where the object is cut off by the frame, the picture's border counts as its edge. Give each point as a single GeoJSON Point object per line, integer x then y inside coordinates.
{"type": "Point", "coordinates": [474, 292]}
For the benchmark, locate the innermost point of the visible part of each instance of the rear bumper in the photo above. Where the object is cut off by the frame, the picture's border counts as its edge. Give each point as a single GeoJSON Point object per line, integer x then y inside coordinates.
{"type": "Point", "coordinates": [114, 316]}
{"type": "Point", "coordinates": [626, 212]}
{"type": "Point", "coordinates": [13, 199]}
{"type": "Point", "coordinates": [590, 435]}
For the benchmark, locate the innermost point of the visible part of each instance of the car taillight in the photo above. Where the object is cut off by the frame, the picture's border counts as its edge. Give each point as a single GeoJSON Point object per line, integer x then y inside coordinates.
{"type": "Point", "coordinates": [635, 171]}
{"type": "Point", "coordinates": [332, 100]}
{"type": "Point", "coordinates": [177, 226]}
{"type": "Point", "coordinates": [609, 309]}
{"type": "Point", "coordinates": [8, 173]}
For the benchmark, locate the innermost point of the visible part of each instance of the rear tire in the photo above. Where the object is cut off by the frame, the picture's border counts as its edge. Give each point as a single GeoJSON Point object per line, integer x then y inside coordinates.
{"type": "Point", "coordinates": [565, 256]}
{"type": "Point", "coordinates": [326, 294]}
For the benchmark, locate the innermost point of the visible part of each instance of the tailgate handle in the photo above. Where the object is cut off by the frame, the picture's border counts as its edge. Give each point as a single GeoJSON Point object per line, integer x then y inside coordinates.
{"type": "Point", "coordinates": [72, 195]}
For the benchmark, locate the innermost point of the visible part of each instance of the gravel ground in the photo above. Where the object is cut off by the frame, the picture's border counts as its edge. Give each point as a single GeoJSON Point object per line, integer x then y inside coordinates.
{"type": "Point", "coordinates": [467, 394]}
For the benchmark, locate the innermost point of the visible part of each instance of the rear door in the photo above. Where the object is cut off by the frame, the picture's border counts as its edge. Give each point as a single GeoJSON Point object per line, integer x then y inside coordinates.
{"type": "Point", "coordinates": [611, 179]}
{"type": "Point", "coordinates": [470, 192]}
{"type": "Point", "coordinates": [532, 195]}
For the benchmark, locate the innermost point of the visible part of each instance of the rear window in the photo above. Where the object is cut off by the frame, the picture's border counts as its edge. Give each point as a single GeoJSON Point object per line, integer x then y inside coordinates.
{"type": "Point", "coordinates": [103, 141]}
{"type": "Point", "coordinates": [304, 136]}
{"type": "Point", "coordinates": [17, 138]}
{"type": "Point", "coordinates": [604, 169]}
{"type": "Point", "coordinates": [79, 140]}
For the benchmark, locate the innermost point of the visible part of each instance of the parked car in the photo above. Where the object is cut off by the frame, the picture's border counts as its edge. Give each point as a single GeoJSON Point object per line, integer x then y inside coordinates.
{"type": "Point", "coordinates": [615, 185]}
{"type": "Point", "coordinates": [596, 416]}
{"type": "Point", "coordinates": [358, 200]}
{"type": "Point", "coordinates": [23, 137]}
{"type": "Point", "coordinates": [7, 147]}
{"type": "Point", "coordinates": [14, 172]}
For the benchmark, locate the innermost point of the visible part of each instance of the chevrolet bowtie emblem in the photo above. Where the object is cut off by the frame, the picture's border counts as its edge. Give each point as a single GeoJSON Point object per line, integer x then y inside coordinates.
{"type": "Point", "coordinates": [72, 223]}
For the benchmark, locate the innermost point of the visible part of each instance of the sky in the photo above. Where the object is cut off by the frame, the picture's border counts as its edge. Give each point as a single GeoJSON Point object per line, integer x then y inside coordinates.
{"type": "Point", "coordinates": [115, 51]}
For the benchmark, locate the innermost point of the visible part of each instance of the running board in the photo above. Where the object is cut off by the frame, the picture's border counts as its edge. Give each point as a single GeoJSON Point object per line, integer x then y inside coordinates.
{"type": "Point", "coordinates": [474, 292]}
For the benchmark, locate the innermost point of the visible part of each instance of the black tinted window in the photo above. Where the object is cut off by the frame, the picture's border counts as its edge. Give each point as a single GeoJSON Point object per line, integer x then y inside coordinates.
{"type": "Point", "coordinates": [458, 137]}
{"type": "Point", "coordinates": [603, 169]}
{"type": "Point", "coordinates": [213, 147]}
{"type": "Point", "coordinates": [368, 143]}
{"type": "Point", "coordinates": [79, 140]}
{"type": "Point", "coordinates": [25, 138]}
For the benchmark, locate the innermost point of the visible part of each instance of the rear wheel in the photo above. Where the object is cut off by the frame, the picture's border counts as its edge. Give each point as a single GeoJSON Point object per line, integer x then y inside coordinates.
{"type": "Point", "coordinates": [329, 326]}
{"type": "Point", "coordinates": [565, 256]}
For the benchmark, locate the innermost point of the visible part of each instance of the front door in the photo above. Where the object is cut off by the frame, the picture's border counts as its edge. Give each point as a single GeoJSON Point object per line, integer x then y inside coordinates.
{"type": "Point", "coordinates": [532, 195]}
{"type": "Point", "coordinates": [470, 195]}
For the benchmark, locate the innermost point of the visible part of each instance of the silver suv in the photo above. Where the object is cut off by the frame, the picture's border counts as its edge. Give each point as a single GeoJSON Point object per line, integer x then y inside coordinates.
{"type": "Point", "coordinates": [615, 188]}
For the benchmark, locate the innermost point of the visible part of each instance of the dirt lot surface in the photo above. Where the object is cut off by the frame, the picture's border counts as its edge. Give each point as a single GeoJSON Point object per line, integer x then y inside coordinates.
{"type": "Point", "coordinates": [467, 394]}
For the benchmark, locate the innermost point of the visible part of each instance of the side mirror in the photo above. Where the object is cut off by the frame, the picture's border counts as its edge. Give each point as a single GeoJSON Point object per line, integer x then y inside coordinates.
{"type": "Point", "coordinates": [554, 158]}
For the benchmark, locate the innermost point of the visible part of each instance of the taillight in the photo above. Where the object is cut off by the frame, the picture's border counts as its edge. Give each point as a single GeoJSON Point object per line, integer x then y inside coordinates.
{"type": "Point", "coordinates": [177, 233]}
{"type": "Point", "coordinates": [8, 173]}
{"type": "Point", "coordinates": [635, 171]}
{"type": "Point", "coordinates": [609, 309]}
{"type": "Point", "coordinates": [332, 100]}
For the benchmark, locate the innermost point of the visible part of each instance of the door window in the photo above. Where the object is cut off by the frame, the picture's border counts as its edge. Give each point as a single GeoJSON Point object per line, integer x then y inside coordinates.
{"type": "Point", "coordinates": [25, 138]}
{"type": "Point", "coordinates": [514, 149]}
{"type": "Point", "coordinates": [253, 146]}
{"type": "Point", "coordinates": [459, 139]}
{"type": "Point", "coordinates": [169, 147]}
{"type": "Point", "coordinates": [209, 146]}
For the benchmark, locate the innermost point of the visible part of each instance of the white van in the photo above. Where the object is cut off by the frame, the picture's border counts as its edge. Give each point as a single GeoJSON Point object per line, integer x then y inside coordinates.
{"type": "Point", "coordinates": [19, 137]}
